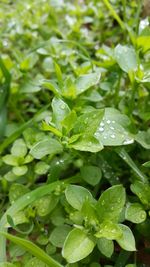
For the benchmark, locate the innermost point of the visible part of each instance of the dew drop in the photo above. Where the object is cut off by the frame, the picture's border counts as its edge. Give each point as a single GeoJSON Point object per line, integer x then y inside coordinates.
{"type": "Point", "coordinates": [128, 141]}
{"type": "Point", "coordinates": [103, 202]}
{"type": "Point", "coordinates": [112, 136]}
{"type": "Point", "coordinates": [62, 106]}
{"type": "Point", "coordinates": [112, 128]}
{"type": "Point", "coordinates": [108, 121]}
{"type": "Point", "coordinates": [113, 122]}
{"type": "Point", "coordinates": [101, 129]}
{"type": "Point", "coordinates": [105, 137]}
{"type": "Point", "coordinates": [102, 124]}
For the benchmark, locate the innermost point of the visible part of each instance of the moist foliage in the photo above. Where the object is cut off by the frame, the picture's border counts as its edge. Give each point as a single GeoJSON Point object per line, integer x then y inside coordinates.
{"type": "Point", "coordinates": [74, 133]}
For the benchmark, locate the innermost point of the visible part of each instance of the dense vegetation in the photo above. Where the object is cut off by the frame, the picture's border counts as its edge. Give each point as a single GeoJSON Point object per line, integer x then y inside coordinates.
{"type": "Point", "coordinates": [74, 131]}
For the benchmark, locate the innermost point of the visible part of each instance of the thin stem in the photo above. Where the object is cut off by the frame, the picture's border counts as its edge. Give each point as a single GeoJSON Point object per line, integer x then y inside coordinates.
{"type": "Point", "coordinates": [115, 15]}
{"type": "Point", "coordinates": [125, 156]}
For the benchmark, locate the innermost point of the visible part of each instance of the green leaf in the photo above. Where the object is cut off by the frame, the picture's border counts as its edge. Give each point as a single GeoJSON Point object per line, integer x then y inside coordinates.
{"type": "Point", "coordinates": [105, 246]}
{"type": "Point", "coordinates": [45, 205]}
{"type": "Point", "coordinates": [91, 174]}
{"type": "Point", "coordinates": [86, 143]}
{"type": "Point", "coordinates": [86, 81]}
{"type": "Point", "coordinates": [33, 249]}
{"type": "Point", "coordinates": [41, 167]}
{"type": "Point", "coordinates": [126, 241]}
{"type": "Point", "coordinates": [76, 195]}
{"type": "Point", "coordinates": [60, 111]}
{"type": "Point", "coordinates": [84, 129]}
{"type": "Point", "coordinates": [59, 234]}
{"type": "Point", "coordinates": [20, 170]}
{"type": "Point", "coordinates": [147, 164]}
{"type": "Point", "coordinates": [16, 191]}
{"type": "Point", "coordinates": [77, 246]}
{"type": "Point", "coordinates": [88, 122]}
{"type": "Point", "coordinates": [111, 203]}
{"type": "Point", "coordinates": [135, 213]}
{"type": "Point", "coordinates": [69, 121]}
{"type": "Point", "coordinates": [11, 160]}
{"type": "Point", "coordinates": [143, 138]}
{"type": "Point", "coordinates": [58, 74]}
{"type": "Point", "coordinates": [109, 230]}
{"type": "Point", "coordinates": [113, 129]}
{"type": "Point", "coordinates": [125, 57]}
{"type": "Point", "coordinates": [29, 62]}
{"type": "Point", "coordinates": [45, 147]}
{"type": "Point", "coordinates": [144, 42]}
{"type": "Point", "coordinates": [142, 190]}
{"type": "Point", "coordinates": [19, 148]}
{"type": "Point", "coordinates": [34, 262]}
{"type": "Point", "coordinates": [7, 264]}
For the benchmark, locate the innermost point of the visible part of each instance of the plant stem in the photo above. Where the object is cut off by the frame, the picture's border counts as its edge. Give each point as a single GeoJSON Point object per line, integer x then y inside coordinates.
{"type": "Point", "coordinates": [125, 156]}
{"type": "Point", "coordinates": [115, 15]}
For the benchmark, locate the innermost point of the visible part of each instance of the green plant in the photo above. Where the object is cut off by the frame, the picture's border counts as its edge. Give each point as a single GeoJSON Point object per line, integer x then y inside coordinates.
{"type": "Point", "coordinates": [74, 131]}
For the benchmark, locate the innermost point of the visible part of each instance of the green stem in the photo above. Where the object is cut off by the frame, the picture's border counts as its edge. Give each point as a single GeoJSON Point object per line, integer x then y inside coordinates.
{"type": "Point", "coordinates": [132, 101]}
{"type": "Point", "coordinates": [115, 15]}
{"type": "Point", "coordinates": [125, 156]}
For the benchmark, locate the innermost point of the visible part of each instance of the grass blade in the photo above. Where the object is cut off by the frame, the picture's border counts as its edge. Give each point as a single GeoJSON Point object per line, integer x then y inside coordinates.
{"type": "Point", "coordinates": [33, 249]}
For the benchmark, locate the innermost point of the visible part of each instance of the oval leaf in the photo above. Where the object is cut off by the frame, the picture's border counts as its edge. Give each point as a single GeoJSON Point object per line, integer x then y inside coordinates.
{"type": "Point", "coordinates": [125, 57]}
{"type": "Point", "coordinates": [111, 203]}
{"type": "Point", "coordinates": [46, 147]}
{"type": "Point", "coordinates": [76, 196]}
{"type": "Point", "coordinates": [126, 241]}
{"type": "Point", "coordinates": [77, 246]}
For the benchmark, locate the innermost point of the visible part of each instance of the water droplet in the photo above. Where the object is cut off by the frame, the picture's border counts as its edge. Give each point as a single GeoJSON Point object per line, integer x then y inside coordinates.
{"type": "Point", "coordinates": [112, 136]}
{"type": "Point", "coordinates": [113, 122]}
{"type": "Point", "coordinates": [62, 106]}
{"type": "Point", "coordinates": [103, 202]}
{"type": "Point", "coordinates": [128, 141]}
{"type": "Point", "coordinates": [105, 137]}
{"type": "Point", "coordinates": [102, 124]}
{"type": "Point", "coordinates": [112, 128]}
{"type": "Point", "coordinates": [108, 121]}
{"type": "Point", "coordinates": [101, 129]}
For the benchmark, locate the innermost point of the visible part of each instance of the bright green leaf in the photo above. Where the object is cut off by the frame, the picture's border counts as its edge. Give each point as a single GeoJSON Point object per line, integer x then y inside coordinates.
{"type": "Point", "coordinates": [76, 195]}
{"type": "Point", "coordinates": [111, 203]}
{"type": "Point", "coordinates": [105, 246]}
{"type": "Point", "coordinates": [125, 57]}
{"type": "Point", "coordinates": [126, 240]}
{"type": "Point", "coordinates": [77, 246]}
{"type": "Point", "coordinates": [135, 213]}
{"type": "Point", "coordinates": [45, 147]}
{"type": "Point", "coordinates": [91, 174]}
{"type": "Point", "coordinates": [59, 234]}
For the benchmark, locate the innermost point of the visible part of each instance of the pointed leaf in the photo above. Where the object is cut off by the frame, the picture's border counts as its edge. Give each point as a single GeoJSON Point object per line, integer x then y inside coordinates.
{"type": "Point", "coordinates": [111, 203]}
{"type": "Point", "coordinates": [46, 147]}
{"type": "Point", "coordinates": [126, 57]}
{"type": "Point", "coordinates": [126, 241]}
